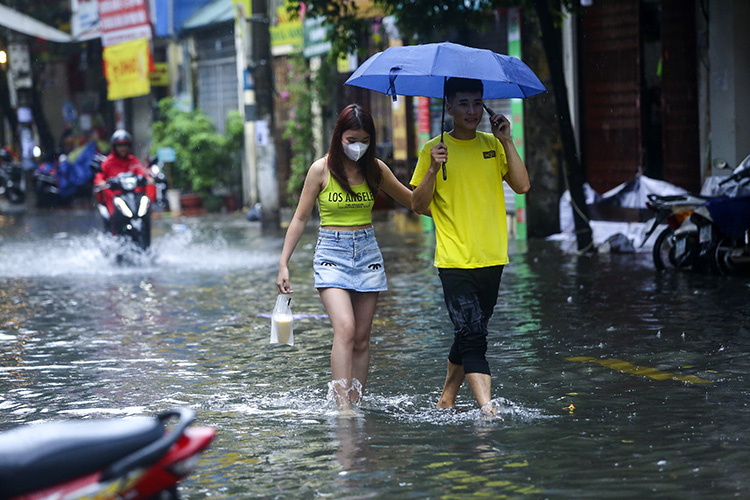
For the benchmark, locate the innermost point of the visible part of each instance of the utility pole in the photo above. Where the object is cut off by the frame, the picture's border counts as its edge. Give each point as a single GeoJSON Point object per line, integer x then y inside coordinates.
{"type": "Point", "coordinates": [246, 98]}
{"type": "Point", "coordinates": [265, 149]}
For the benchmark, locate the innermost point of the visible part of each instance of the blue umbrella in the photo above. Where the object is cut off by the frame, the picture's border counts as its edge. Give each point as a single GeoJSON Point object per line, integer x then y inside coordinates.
{"type": "Point", "coordinates": [422, 70]}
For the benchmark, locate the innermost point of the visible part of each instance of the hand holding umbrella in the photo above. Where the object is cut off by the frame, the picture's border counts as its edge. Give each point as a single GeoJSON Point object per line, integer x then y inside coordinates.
{"type": "Point", "coordinates": [439, 155]}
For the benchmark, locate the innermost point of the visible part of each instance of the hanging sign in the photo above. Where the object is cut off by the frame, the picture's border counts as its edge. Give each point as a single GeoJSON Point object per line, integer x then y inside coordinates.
{"type": "Point", "coordinates": [126, 67]}
{"type": "Point", "coordinates": [123, 21]}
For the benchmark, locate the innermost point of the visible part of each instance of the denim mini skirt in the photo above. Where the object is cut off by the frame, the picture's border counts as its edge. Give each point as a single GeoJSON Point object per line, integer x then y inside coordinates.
{"type": "Point", "coordinates": [350, 260]}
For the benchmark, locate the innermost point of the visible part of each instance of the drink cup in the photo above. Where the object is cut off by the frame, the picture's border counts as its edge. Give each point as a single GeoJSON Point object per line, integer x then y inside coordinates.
{"type": "Point", "coordinates": [283, 323]}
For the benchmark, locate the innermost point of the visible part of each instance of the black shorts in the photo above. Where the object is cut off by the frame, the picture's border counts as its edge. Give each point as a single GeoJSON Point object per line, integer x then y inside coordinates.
{"type": "Point", "coordinates": [470, 296]}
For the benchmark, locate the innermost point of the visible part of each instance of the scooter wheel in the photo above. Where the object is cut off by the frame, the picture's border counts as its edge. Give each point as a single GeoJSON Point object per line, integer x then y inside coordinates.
{"type": "Point", "coordinates": [664, 250]}
{"type": "Point", "coordinates": [15, 196]}
{"type": "Point", "coordinates": [722, 257]}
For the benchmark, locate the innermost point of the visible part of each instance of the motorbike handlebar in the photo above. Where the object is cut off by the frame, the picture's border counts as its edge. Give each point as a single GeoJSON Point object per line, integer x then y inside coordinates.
{"type": "Point", "coordinates": [737, 176]}
{"type": "Point", "coordinates": [155, 450]}
{"type": "Point", "coordinates": [115, 182]}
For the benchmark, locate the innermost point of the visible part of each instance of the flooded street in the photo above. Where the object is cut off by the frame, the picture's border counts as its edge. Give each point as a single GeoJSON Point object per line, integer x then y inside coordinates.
{"type": "Point", "coordinates": [615, 381]}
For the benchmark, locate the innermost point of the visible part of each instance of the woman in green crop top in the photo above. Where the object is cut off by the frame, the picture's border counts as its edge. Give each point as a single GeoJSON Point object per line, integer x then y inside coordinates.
{"type": "Point", "coordinates": [348, 266]}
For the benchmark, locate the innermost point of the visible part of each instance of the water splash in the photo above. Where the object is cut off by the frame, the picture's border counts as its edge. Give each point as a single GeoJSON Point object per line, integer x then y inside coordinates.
{"type": "Point", "coordinates": [98, 253]}
{"type": "Point", "coordinates": [343, 394]}
{"type": "Point", "coordinates": [418, 408]}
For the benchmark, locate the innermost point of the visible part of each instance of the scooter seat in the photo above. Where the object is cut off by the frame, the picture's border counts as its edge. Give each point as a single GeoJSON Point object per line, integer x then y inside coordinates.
{"type": "Point", "coordinates": [33, 457]}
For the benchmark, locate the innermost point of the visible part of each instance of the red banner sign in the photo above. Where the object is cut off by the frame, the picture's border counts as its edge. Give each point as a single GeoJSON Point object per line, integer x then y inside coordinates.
{"type": "Point", "coordinates": [123, 21]}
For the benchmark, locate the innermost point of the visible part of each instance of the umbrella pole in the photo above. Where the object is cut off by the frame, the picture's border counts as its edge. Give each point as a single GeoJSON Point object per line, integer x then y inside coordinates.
{"type": "Point", "coordinates": [442, 128]}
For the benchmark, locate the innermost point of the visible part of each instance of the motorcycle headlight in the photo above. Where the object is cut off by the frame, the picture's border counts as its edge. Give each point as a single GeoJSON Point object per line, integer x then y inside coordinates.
{"type": "Point", "coordinates": [123, 207]}
{"type": "Point", "coordinates": [143, 206]}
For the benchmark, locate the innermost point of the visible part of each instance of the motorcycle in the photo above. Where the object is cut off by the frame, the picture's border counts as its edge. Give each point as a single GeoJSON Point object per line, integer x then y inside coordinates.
{"type": "Point", "coordinates": [125, 458]}
{"type": "Point", "coordinates": [12, 179]}
{"type": "Point", "coordinates": [131, 217]}
{"type": "Point", "coordinates": [724, 225]}
{"type": "Point", "coordinates": [59, 177]}
{"type": "Point", "coordinates": [160, 184]}
{"type": "Point", "coordinates": [680, 245]}
{"type": "Point", "coordinates": [46, 182]}
{"type": "Point", "coordinates": [676, 246]}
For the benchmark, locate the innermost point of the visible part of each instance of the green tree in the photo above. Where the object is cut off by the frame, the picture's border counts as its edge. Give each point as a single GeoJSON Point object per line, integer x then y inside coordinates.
{"type": "Point", "coordinates": [206, 159]}
{"type": "Point", "coordinates": [304, 88]}
{"type": "Point", "coordinates": [298, 129]}
{"type": "Point", "coordinates": [424, 21]}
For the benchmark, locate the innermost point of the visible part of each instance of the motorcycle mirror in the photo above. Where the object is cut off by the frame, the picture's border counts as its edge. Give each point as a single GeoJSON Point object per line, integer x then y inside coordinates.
{"type": "Point", "coordinates": [720, 163]}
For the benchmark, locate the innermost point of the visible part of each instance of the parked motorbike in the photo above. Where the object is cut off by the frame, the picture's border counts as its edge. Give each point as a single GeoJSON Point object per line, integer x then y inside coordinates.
{"type": "Point", "coordinates": [132, 210]}
{"type": "Point", "coordinates": [676, 246]}
{"type": "Point", "coordinates": [681, 245]}
{"type": "Point", "coordinates": [12, 179]}
{"type": "Point", "coordinates": [57, 179]}
{"type": "Point", "coordinates": [724, 225]}
{"type": "Point", "coordinates": [160, 184]}
{"type": "Point", "coordinates": [124, 458]}
{"type": "Point", "coordinates": [46, 182]}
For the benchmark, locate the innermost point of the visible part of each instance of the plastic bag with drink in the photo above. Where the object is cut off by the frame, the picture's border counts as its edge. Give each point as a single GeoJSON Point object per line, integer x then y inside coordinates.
{"type": "Point", "coordinates": [281, 321]}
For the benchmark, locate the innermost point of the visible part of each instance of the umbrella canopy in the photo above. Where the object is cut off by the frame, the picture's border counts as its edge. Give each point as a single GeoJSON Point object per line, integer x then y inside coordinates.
{"type": "Point", "coordinates": [421, 70]}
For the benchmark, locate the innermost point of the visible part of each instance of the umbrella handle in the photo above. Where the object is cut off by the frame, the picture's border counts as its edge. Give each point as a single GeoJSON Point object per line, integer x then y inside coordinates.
{"type": "Point", "coordinates": [442, 165]}
{"type": "Point", "coordinates": [442, 126]}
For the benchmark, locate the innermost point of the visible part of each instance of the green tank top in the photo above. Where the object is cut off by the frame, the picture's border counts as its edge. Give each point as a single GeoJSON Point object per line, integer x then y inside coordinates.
{"type": "Point", "coordinates": [339, 208]}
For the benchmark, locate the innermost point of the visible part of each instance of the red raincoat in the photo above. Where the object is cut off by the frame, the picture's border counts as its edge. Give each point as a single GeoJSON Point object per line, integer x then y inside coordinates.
{"type": "Point", "coordinates": [111, 166]}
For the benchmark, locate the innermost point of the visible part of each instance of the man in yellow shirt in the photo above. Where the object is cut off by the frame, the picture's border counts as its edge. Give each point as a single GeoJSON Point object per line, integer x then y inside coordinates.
{"type": "Point", "coordinates": [472, 239]}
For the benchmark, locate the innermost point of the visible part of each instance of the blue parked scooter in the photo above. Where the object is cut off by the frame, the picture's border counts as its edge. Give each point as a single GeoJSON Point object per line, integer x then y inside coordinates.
{"type": "Point", "coordinates": [724, 225]}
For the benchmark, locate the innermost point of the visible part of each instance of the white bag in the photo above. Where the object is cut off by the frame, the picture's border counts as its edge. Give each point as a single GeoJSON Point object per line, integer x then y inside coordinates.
{"type": "Point", "coordinates": [282, 331]}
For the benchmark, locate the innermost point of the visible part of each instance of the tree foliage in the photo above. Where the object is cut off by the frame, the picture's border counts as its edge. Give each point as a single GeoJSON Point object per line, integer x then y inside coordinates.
{"type": "Point", "coordinates": [304, 88]}
{"type": "Point", "coordinates": [205, 158]}
{"type": "Point", "coordinates": [418, 21]}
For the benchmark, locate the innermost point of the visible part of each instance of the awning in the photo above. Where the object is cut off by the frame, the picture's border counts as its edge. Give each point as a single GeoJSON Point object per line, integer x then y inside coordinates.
{"type": "Point", "coordinates": [27, 25]}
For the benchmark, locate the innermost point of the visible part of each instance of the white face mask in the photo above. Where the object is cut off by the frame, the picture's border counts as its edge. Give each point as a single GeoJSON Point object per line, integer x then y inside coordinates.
{"type": "Point", "coordinates": [355, 151]}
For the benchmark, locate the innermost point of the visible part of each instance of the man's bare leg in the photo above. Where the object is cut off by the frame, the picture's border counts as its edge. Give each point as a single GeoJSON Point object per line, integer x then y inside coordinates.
{"type": "Point", "coordinates": [481, 386]}
{"type": "Point", "coordinates": [453, 381]}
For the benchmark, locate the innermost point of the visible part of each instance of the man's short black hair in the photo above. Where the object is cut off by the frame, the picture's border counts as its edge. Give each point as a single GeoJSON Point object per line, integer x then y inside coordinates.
{"type": "Point", "coordinates": [455, 85]}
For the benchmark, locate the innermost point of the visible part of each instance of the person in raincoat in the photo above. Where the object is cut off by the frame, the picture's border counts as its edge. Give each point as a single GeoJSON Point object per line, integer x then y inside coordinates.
{"type": "Point", "coordinates": [348, 266]}
{"type": "Point", "coordinates": [120, 160]}
{"type": "Point", "coordinates": [470, 225]}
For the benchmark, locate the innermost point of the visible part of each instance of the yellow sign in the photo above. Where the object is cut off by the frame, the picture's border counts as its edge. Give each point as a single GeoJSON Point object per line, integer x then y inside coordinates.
{"type": "Point", "coordinates": [288, 33]}
{"type": "Point", "coordinates": [126, 67]}
{"type": "Point", "coordinates": [160, 75]}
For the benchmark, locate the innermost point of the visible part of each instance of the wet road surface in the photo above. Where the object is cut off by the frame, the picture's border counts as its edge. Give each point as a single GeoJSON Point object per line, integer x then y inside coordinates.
{"type": "Point", "coordinates": [615, 381]}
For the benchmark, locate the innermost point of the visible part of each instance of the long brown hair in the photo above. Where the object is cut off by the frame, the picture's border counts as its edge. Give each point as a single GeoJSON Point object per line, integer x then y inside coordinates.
{"type": "Point", "coordinates": [354, 117]}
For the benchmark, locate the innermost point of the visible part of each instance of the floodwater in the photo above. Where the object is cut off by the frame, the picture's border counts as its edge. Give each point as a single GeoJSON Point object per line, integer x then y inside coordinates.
{"type": "Point", "coordinates": [614, 381]}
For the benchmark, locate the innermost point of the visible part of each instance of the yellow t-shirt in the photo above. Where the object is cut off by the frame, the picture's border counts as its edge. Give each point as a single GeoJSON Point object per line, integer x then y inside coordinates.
{"type": "Point", "coordinates": [339, 208]}
{"type": "Point", "coordinates": [469, 207]}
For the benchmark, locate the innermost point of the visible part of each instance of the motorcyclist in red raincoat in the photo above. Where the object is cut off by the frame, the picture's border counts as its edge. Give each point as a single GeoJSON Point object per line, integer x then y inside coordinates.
{"type": "Point", "coordinates": [119, 160]}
